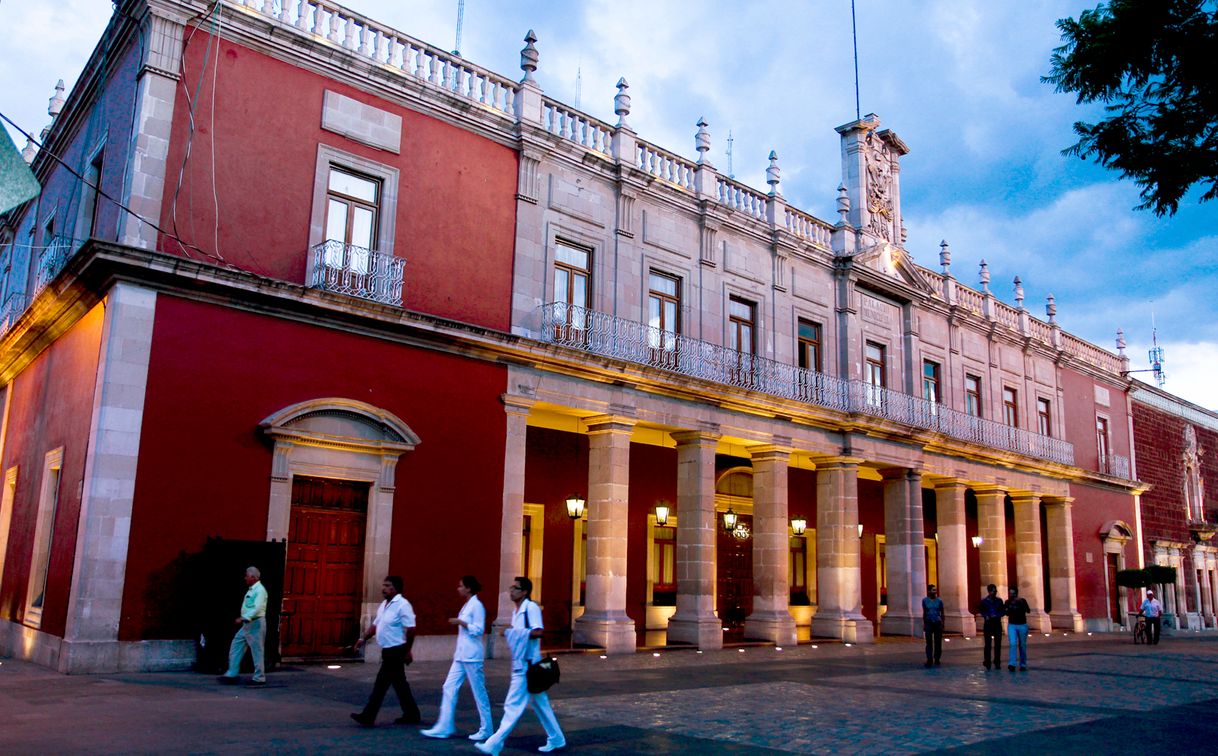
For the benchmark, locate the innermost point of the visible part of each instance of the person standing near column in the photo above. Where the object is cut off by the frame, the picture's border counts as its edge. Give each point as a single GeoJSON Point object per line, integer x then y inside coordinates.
{"type": "Point", "coordinates": [251, 631]}
{"type": "Point", "coordinates": [1017, 610]}
{"type": "Point", "coordinates": [992, 610]}
{"type": "Point", "coordinates": [394, 631]}
{"type": "Point", "coordinates": [524, 639]}
{"type": "Point", "coordinates": [1152, 610]}
{"type": "Point", "coordinates": [932, 625]}
{"type": "Point", "coordinates": [467, 663]}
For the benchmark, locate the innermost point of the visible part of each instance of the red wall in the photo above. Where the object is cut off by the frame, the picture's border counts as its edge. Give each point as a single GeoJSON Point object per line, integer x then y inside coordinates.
{"type": "Point", "coordinates": [1159, 440]}
{"type": "Point", "coordinates": [1092, 509]}
{"type": "Point", "coordinates": [556, 465]}
{"type": "Point", "coordinates": [456, 208]}
{"type": "Point", "coordinates": [51, 406]}
{"type": "Point", "coordinates": [1080, 415]}
{"type": "Point", "coordinates": [204, 468]}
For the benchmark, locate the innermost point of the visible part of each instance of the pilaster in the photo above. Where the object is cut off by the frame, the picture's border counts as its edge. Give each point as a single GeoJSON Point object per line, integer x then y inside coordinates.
{"type": "Point", "coordinates": [1060, 532]}
{"type": "Point", "coordinates": [516, 409]}
{"type": "Point", "coordinates": [771, 617]}
{"type": "Point", "coordinates": [839, 612]}
{"type": "Point", "coordinates": [694, 621]}
{"type": "Point", "coordinates": [953, 557]}
{"type": "Point", "coordinates": [1028, 558]}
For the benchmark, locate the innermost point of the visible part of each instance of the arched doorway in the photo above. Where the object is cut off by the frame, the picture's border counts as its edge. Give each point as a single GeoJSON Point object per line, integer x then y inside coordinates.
{"type": "Point", "coordinates": [734, 550]}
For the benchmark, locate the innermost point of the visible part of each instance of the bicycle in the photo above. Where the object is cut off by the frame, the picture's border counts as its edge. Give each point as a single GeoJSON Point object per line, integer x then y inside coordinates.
{"type": "Point", "coordinates": [1139, 630]}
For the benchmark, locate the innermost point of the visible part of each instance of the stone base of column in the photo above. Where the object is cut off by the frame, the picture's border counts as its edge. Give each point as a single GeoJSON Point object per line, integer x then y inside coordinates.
{"type": "Point", "coordinates": [776, 627]}
{"type": "Point", "coordinates": [1039, 622]}
{"type": "Point", "coordinates": [1071, 621]}
{"type": "Point", "coordinates": [704, 632]}
{"type": "Point", "coordinates": [1209, 620]}
{"type": "Point", "coordinates": [960, 622]}
{"type": "Point", "coordinates": [615, 634]}
{"type": "Point", "coordinates": [852, 629]}
{"type": "Point", "coordinates": [901, 624]}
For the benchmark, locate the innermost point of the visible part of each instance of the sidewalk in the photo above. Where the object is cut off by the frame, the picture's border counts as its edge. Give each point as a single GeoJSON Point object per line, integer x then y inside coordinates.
{"type": "Point", "coordinates": [823, 697]}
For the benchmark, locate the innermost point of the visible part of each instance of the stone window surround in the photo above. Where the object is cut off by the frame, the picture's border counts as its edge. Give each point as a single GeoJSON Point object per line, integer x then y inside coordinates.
{"type": "Point", "coordinates": [558, 232]}
{"type": "Point", "coordinates": [328, 155]}
{"type": "Point", "coordinates": [649, 264]}
{"type": "Point", "coordinates": [98, 149]}
{"type": "Point", "coordinates": [1114, 536]}
{"type": "Point", "coordinates": [40, 561]}
{"type": "Point", "coordinates": [828, 339]}
{"type": "Point", "coordinates": [762, 346]}
{"type": "Point", "coordinates": [347, 457]}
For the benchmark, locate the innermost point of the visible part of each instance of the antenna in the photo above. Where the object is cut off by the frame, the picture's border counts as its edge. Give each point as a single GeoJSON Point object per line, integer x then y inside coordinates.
{"type": "Point", "coordinates": [854, 30]}
{"type": "Point", "coordinates": [460, 21]}
{"type": "Point", "coordinates": [730, 140]}
{"type": "Point", "coordinates": [1156, 354]}
{"type": "Point", "coordinates": [579, 85]}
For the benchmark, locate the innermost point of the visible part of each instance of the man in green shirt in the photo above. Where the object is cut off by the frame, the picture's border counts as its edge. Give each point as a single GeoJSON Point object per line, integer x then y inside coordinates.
{"type": "Point", "coordinates": [251, 630]}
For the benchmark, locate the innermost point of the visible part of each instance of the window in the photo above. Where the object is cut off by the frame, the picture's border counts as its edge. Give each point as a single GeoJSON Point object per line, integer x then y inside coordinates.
{"type": "Point", "coordinates": [742, 336]}
{"type": "Point", "coordinates": [1044, 417]}
{"type": "Point", "coordinates": [663, 311]}
{"type": "Point", "coordinates": [87, 222]}
{"type": "Point", "coordinates": [664, 579]}
{"type": "Point", "coordinates": [875, 372]}
{"type": "Point", "coordinates": [972, 396]}
{"type": "Point", "coordinates": [40, 560]}
{"type": "Point", "coordinates": [1103, 443]}
{"type": "Point", "coordinates": [352, 217]}
{"type": "Point", "coordinates": [572, 276]}
{"type": "Point", "coordinates": [1010, 407]}
{"type": "Point", "coordinates": [810, 346]}
{"type": "Point", "coordinates": [930, 382]}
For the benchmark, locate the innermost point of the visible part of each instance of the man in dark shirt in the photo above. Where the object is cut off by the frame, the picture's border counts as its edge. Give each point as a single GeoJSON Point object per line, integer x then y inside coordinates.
{"type": "Point", "coordinates": [1017, 630]}
{"type": "Point", "coordinates": [932, 625]}
{"type": "Point", "coordinates": [992, 611]}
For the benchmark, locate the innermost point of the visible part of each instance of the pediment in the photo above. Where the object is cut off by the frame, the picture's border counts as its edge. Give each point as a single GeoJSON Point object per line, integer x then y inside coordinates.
{"type": "Point", "coordinates": [894, 262]}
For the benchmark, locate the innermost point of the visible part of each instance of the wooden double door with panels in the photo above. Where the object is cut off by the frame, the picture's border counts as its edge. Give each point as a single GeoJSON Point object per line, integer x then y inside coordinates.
{"type": "Point", "coordinates": [325, 567]}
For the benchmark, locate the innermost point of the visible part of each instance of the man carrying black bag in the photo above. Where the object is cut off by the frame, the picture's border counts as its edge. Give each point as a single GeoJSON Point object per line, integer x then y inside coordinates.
{"type": "Point", "coordinates": [524, 639]}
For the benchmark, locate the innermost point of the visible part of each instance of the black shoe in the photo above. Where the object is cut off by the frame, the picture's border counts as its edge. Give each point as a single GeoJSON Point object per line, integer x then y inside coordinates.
{"type": "Point", "coordinates": [927, 664]}
{"type": "Point", "coordinates": [937, 662]}
{"type": "Point", "coordinates": [1011, 667]}
{"type": "Point", "coordinates": [361, 720]}
{"type": "Point", "coordinates": [226, 680]}
{"type": "Point", "coordinates": [411, 720]}
{"type": "Point", "coordinates": [986, 666]}
{"type": "Point", "coordinates": [1023, 669]}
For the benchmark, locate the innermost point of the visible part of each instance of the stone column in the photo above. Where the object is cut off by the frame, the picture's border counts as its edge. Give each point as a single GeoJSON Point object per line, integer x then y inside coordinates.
{"type": "Point", "coordinates": [771, 617]}
{"type": "Point", "coordinates": [1029, 570]}
{"type": "Point", "coordinates": [992, 527]}
{"type": "Point", "coordinates": [839, 595]}
{"type": "Point", "coordinates": [1211, 579]}
{"type": "Point", "coordinates": [90, 639]}
{"type": "Point", "coordinates": [694, 621]}
{"type": "Point", "coordinates": [1062, 584]}
{"type": "Point", "coordinates": [604, 621]}
{"type": "Point", "coordinates": [1201, 567]}
{"type": "Point", "coordinates": [905, 550]}
{"type": "Point", "coordinates": [1179, 595]}
{"type": "Point", "coordinates": [515, 435]}
{"type": "Point", "coordinates": [953, 557]}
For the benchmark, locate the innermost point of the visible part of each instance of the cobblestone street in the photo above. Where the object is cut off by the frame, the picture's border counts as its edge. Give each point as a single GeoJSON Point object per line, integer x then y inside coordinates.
{"type": "Point", "coordinates": [1100, 694]}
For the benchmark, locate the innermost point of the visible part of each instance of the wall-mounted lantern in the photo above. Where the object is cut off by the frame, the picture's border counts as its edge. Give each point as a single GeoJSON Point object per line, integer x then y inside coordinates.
{"type": "Point", "coordinates": [575, 506]}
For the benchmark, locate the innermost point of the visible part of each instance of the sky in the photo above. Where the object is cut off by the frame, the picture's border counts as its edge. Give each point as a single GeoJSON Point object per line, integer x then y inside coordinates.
{"type": "Point", "coordinates": [958, 80]}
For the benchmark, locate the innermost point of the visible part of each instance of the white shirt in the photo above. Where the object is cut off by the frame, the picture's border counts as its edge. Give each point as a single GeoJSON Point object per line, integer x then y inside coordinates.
{"type": "Point", "coordinates": [392, 619]}
{"type": "Point", "coordinates": [469, 638]}
{"type": "Point", "coordinates": [1152, 608]}
{"type": "Point", "coordinates": [525, 650]}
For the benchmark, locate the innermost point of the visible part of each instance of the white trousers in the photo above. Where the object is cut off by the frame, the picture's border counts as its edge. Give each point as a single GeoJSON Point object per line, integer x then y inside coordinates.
{"type": "Point", "coordinates": [519, 698]}
{"type": "Point", "coordinates": [252, 634]}
{"type": "Point", "coordinates": [457, 674]}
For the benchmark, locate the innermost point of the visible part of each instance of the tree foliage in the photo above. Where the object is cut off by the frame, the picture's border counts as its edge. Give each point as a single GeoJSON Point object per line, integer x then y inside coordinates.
{"type": "Point", "coordinates": [1154, 66]}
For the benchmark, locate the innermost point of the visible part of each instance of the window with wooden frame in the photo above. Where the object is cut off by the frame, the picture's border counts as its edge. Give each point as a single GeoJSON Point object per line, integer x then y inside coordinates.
{"type": "Point", "coordinates": [1103, 443]}
{"type": "Point", "coordinates": [44, 529]}
{"type": "Point", "coordinates": [972, 396]}
{"type": "Point", "coordinates": [353, 212]}
{"type": "Point", "coordinates": [664, 579]}
{"type": "Point", "coordinates": [1010, 406]}
{"type": "Point", "coordinates": [875, 372]}
{"type": "Point", "coordinates": [931, 382]}
{"type": "Point", "coordinates": [572, 286]}
{"type": "Point", "coordinates": [742, 335]}
{"type": "Point", "coordinates": [809, 345]}
{"type": "Point", "coordinates": [1044, 417]}
{"type": "Point", "coordinates": [663, 311]}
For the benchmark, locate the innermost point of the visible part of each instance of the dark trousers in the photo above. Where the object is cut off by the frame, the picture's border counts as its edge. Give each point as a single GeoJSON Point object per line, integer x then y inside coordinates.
{"type": "Point", "coordinates": [1153, 626]}
{"type": "Point", "coordinates": [391, 673]}
{"type": "Point", "coordinates": [993, 642]}
{"type": "Point", "coordinates": [934, 640]}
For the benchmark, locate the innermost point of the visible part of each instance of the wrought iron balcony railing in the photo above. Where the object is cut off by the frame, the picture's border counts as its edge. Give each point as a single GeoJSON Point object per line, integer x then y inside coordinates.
{"type": "Point", "coordinates": [51, 260]}
{"type": "Point", "coordinates": [1115, 465]}
{"type": "Point", "coordinates": [13, 307]}
{"type": "Point", "coordinates": [357, 272]}
{"type": "Point", "coordinates": [599, 333]}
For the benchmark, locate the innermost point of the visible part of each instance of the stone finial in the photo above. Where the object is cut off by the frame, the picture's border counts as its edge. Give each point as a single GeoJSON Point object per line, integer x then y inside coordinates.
{"type": "Point", "coordinates": [985, 276]}
{"type": "Point", "coordinates": [1051, 308]}
{"type": "Point", "coordinates": [945, 257]}
{"type": "Point", "coordinates": [843, 202]}
{"type": "Point", "coordinates": [56, 104]}
{"type": "Point", "coordinates": [621, 103]}
{"type": "Point", "coordinates": [28, 153]}
{"type": "Point", "coordinates": [773, 174]}
{"type": "Point", "coordinates": [1120, 342]}
{"type": "Point", "coordinates": [702, 140]}
{"type": "Point", "coordinates": [1018, 293]}
{"type": "Point", "coordinates": [529, 57]}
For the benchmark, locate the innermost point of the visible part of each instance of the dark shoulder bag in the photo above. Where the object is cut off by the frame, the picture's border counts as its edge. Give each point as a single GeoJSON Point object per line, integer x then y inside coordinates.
{"type": "Point", "coordinates": [541, 675]}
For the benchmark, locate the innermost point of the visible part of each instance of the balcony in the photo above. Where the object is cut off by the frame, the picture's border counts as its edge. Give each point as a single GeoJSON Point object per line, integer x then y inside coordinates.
{"type": "Point", "coordinates": [13, 307]}
{"type": "Point", "coordinates": [1115, 465]}
{"type": "Point", "coordinates": [51, 260]}
{"type": "Point", "coordinates": [602, 334]}
{"type": "Point", "coordinates": [357, 272]}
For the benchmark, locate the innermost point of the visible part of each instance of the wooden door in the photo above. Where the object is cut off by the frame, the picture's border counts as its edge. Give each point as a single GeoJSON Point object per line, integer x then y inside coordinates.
{"type": "Point", "coordinates": [734, 559]}
{"type": "Point", "coordinates": [325, 566]}
{"type": "Point", "coordinates": [1114, 592]}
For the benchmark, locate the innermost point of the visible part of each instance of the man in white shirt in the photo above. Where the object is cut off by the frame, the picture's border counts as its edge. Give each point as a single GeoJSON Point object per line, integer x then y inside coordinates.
{"type": "Point", "coordinates": [524, 638]}
{"type": "Point", "coordinates": [394, 631]}
{"type": "Point", "coordinates": [251, 631]}
{"type": "Point", "coordinates": [1152, 610]}
{"type": "Point", "coordinates": [467, 662]}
